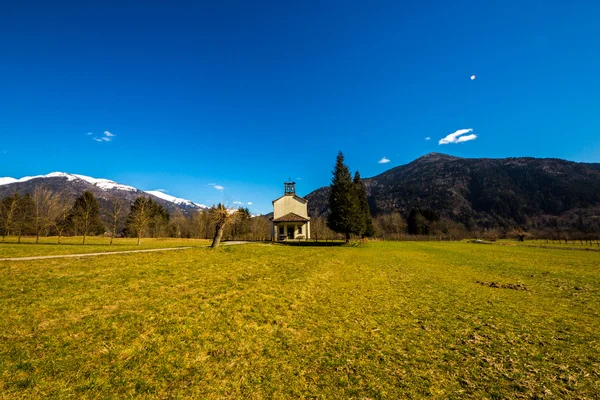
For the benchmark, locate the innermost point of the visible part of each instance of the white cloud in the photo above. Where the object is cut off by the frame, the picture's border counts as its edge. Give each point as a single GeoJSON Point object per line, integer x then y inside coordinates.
{"type": "Point", "coordinates": [384, 160]}
{"type": "Point", "coordinates": [98, 140]}
{"type": "Point", "coordinates": [249, 203]}
{"type": "Point", "coordinates": [466, 138]}
{"type": "Point", "coordinates": [108, 134]}
{"type": "Point", "coordinates": [237, 202]}
{"type": "Point", "coordinates": [218, 187]}
{"type": "Point", "coordinates": [89, 133]}
{"type": "Point", "coordinates": [106, 139]}
{"type": "Point", "coordinates": [457, 138]}
{"type": "Point", "coordinates": [427, 138]}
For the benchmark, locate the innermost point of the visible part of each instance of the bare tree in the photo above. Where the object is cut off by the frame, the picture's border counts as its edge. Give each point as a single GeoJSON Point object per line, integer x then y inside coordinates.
{"type": "Point", "coordinates": [61, 214]}
{"type": "Point", "coordinates": [23, 220]}
{"type": "Point", "coordinates": [140, 216]}
{"type": "Point", "coordinates": [42, 211]}
{"type": "Point", "coordinates": [115, 212]}
{"type": "Point", "coordinates": [178, 225]}
{"type": "Point", "coordinates": [220, 216]}
{"type": "Point", "coordinates": [8, 213]}
{"type": "Point", "coordinates": [86, 214]}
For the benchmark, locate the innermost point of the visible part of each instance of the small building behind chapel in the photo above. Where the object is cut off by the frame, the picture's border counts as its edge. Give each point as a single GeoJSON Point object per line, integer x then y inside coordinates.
{"type": "Point", "coordinates": [290, 216]}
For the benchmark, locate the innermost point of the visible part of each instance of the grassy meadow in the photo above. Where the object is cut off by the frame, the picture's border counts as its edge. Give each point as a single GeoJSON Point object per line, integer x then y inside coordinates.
{"type": "Point", "coordinates": [382, 321]}
{"type": "Point", "coordinates": [48, 246]}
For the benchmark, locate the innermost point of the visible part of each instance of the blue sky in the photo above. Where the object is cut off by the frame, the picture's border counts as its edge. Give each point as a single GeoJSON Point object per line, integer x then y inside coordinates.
{"type": "Point", "coordinates": [247, 94]}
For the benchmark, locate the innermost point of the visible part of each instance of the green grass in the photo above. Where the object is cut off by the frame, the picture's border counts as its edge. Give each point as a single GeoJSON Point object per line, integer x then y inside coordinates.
{"type": "Point", "coordinates": [388, 320]}
{"type": "Point", "coordinates": [72, 245]}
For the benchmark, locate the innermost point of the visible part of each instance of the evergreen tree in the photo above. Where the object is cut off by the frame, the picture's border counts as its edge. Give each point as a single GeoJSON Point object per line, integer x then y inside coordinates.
{"type": "Point", "coordinates": [415, 222]}
{"type": "Point", "coordinates": [241, 225]}
{"type": "Point", "coordinates": [85, 215]}
{"type": "Point", "coordinates": [366, 226]}
{"type": "Point", "coordinates": [159, 224]}
{"type": "Point", "coordinates": [345, 216]}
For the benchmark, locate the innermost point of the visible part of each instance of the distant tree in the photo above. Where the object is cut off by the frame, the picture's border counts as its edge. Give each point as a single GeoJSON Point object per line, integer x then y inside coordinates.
{"type": "Point", "coordinates": [115, 213]}
{"type": "Point", "coordinates": [260, 228]}
{"type": "Point", "coordinates": [61, 215]}
{"type": "Point", "coordinates": [366, 225]}
{"type": "Point", "coordinates": [141, 214]}
{"type": "Point", "coordinates": [345, 214]}
{"type": "Point", "coordinates": [24, 216]}
{"type": "Point", "coordinates": [391, 225]}
{"type": "Point", "coordinates": [85, 215]}
{"type": "Point", "coordinates": [241, 224]}
{"type": "Point", "coordinates": [423, 222]}
{"type": "Point", "coordinates": [159, 223]}
{"type": "Point", "coordinates": [43, 202]}
{"type": "Point", "coordinates": [199, 224]}
{"type": "Point", "coordinates": [178, 225]}
{"type": "Point", "coordinates": [8, 212]}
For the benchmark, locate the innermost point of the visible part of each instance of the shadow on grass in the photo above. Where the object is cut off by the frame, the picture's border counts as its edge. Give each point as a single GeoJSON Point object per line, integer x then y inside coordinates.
{"type": "Point", "coordinates": [312, 244]}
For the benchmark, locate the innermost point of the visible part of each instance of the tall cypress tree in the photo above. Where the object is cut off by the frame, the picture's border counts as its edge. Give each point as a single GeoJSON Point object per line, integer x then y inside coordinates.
{"type": "Point", "coordinates": [366, 228]}
{"type": "Point", "coordinates": [345, 216]}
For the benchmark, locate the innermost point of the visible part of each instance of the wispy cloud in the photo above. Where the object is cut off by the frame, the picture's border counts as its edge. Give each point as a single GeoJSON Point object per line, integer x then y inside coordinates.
{"type": "Point", "coordinates": [250, 203]}
{"type": "Point", "coordinates": [457, 137]}
{"type": "Point", "coordinates": [89, 133]}
{"type": "Point", "coordinates": [218, 187]}
{"type": "Point", "coordinates": [106, 139]}
{"type": "Point", "coordinates": [384, 160]}
{"type": "Point", "coordinates": [108, 134]}
{"type": "Point", "coordinates": [427, 138]}
{"type": "Point", "coordinates": [98, 140]}
{"type": "Point", "coordinates": [237, 202]}
{"type": "Point", "coordinates": [162, 190]}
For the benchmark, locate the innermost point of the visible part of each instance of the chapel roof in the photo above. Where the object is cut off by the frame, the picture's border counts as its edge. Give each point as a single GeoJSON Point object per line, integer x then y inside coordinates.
{"type": "Point", "coordinates": [291, 217]}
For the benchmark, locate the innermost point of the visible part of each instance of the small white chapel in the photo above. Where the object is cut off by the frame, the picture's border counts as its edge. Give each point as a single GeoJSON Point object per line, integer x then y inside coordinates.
{"type": "Point", "coordinates": [290, 219]}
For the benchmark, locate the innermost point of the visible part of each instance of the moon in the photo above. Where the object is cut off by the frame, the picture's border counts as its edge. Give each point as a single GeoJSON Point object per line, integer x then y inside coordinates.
{"type": "Point", "coordinates": [473, 77]}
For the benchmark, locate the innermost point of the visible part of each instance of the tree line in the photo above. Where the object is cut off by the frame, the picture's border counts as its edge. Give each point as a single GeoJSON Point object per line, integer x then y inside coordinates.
{"type": "Point", "coordinates": [47, 213]}
{"type": "Point", "coordinates": [350, 214]}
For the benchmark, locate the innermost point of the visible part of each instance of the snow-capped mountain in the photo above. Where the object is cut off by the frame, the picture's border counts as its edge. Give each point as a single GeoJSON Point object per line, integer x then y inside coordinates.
{"type": "Point", "coordinates": [103, 189]}
{"type": "Point", "coordinates": [174, 199]}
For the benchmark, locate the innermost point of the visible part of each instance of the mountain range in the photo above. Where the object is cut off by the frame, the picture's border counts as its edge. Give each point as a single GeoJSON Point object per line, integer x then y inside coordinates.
{"type": "Point", "coordinates": [486, 193]}
{"type": "Point", "coordinates": [475, 192]}
{"type": "Point", "coordinates": [103, 189]}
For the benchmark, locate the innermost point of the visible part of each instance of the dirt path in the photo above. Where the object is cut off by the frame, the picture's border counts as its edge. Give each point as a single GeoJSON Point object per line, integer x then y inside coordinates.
{"type": "Point", "coordinates": [90, 254]}
{"type": "Point", "coordinates": [110, 252]}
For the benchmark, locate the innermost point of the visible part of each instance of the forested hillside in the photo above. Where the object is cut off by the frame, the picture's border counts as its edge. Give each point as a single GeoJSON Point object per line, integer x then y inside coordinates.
{"type": "Point", "coordinates": [530, 193]}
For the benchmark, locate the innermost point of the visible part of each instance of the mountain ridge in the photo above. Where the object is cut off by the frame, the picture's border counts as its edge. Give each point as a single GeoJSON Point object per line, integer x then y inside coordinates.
{"type": "Point", "coordinates": [485, 192]}
{"type": "Point", "coordinates": [104, 189]}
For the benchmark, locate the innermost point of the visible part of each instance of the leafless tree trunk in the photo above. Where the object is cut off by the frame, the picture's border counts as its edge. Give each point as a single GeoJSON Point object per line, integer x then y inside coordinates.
{"type": "Point", "coordinates": [60, 214]}
{"type": "Point", "coordinates": [115, 213]}
{"type": "Point", "coordinates": [140, 216]}
{"type": "Point", "coordinates": [8, 211]}
{"type": "Point", "coordinates": [221, 216]}
{"type": "Point", "coordinates": [42, 202]}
